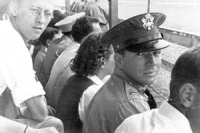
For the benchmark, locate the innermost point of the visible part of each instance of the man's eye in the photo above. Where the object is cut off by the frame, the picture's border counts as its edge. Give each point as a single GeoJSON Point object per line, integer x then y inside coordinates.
{"type": "Point", "coordinates": [47, 14]}
{"type": "Point", "coordinates": [35, 11]}
{"type": "Point", "coordinates": [139, 54]}
{"type": "Point", "coordinates": [157, 52]}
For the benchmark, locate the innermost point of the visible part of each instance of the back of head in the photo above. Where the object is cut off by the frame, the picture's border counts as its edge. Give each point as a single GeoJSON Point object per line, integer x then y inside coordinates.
{"type": "Point", "coordinates": [82, 27]}
{"type": "Point", "coordinates": [186, 70]}
{"type": "Point", "coordinates": [89, 55]}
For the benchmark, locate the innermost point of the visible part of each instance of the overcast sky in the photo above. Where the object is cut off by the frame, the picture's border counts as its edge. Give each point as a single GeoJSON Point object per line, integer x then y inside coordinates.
{"type": "Point", "coordinates": [60, 2]}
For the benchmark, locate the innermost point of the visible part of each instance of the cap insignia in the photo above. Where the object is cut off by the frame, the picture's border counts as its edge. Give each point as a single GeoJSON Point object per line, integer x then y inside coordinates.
{"type": "Point", "coordinates": [118, 46]}
{"type": "Point", "coordinates": [148, 21]}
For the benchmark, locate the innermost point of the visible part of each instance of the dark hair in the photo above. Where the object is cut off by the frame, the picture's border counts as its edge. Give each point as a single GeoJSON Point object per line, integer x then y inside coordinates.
{"type": "Point", "coordinates": [89, 56]}
{"type": "Point", "coordinates": [67, 33]}
{"type": "Point", "coordinates": [56, 13]}
{"type": "Point", "coordinates": [82, 27]}
{"type": "Point", "coordinates": [56, 19]}
{"type": "Point", "coordinates": [47, 34]}
{"type": "Point", "coordinates": [186, 70]}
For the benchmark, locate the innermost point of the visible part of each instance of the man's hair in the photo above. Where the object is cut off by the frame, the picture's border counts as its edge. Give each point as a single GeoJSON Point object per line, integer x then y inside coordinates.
{"type": "Point", "coordinates": [48, 34]}
{"type": "Point", "coordinates": [186, 70]}
{"type": "Point", "coordinates": [56, 13]}
{"type": "Point", "coordinates": [57, 17]}
{"type": "Point", "coordinates": [89, 56]}
{"type": "Point", "coordinates": [82, 27]}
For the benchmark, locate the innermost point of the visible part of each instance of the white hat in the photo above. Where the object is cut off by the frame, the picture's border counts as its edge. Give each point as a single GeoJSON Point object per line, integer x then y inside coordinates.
{"type": "Point", "coordinates": [66, 24]}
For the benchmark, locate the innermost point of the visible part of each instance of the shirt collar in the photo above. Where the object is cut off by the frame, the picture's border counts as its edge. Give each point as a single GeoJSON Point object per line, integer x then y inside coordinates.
{"type": "Point", "coordinates": [96, 80]}
{"type": "Point", "coordinates": [173, 114]}
{"type": "Point", "coordinates": [131, 82]}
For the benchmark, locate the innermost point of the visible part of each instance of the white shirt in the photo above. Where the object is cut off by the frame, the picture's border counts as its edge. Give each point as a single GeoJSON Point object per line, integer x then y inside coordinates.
{"type": "Point", "coordinates": [16, 67]}
{"type": "Point", "coordinates": [88, 94]}
{"type": "Point", "coordinates": [166, 119]}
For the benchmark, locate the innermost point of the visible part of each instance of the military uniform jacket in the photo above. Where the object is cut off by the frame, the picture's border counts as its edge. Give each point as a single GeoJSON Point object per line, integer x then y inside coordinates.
{"type": "Point", "coordinates": [53, 52]}
{"type": "Point", "coordinates": [113, 103]}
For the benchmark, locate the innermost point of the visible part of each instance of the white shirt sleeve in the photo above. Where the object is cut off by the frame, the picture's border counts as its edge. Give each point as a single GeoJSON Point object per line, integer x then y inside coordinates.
{"type": "Point", "coordinates": [17, 69]}
{"type": "Point", "coordinates": [87, 96]}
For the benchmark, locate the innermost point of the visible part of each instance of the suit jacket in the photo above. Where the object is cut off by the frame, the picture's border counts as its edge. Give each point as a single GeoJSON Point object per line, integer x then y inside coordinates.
{"type": "Point", "coordinates": [60, 71]}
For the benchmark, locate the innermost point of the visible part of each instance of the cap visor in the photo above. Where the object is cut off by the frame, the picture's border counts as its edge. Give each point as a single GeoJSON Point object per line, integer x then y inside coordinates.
{"type": "Point", "coordinates": [150, 46]}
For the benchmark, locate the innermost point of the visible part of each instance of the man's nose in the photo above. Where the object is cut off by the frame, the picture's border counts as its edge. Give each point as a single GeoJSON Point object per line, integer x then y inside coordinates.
{"type": "Point", "coordinates": [151, 60]}
{"type": "Point", "coordinates": [41, 18]}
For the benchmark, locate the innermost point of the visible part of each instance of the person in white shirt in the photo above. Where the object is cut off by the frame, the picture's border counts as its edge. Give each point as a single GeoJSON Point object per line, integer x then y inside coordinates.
{"type": "Point", "coordinates": [181, 113]}
{"type": "Point", "coordinates": [24, 20]}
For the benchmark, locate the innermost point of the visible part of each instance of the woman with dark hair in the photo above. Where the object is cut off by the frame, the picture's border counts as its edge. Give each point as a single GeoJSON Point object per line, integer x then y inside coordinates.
{"type": "Point", "coordinates": [91, 64]}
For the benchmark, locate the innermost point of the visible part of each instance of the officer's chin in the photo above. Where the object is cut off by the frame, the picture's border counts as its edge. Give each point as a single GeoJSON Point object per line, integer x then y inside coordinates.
{"type": "Point", "coordinates": [35, 37]}
{"type": "Point", "coordinates": [149, 81]}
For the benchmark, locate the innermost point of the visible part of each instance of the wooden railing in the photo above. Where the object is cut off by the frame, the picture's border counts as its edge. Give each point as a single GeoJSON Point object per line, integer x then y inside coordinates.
{"type": "Point", "coordinates": [180, 37]}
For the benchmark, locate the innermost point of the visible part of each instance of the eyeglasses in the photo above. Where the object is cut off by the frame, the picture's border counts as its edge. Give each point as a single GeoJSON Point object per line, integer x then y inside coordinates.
{"type": "Point", "coordinates": [37, 12]}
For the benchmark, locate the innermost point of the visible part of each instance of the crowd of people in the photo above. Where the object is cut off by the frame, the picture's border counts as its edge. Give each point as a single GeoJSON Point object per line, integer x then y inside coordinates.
{"type": "Point", "coordinates": [62, 73]}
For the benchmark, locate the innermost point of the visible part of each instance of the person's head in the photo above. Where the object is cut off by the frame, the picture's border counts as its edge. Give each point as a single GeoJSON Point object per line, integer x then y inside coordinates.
{"type": "Point", "coordinates": [48, 36]}
{"type": "Point", "coordinates": [56, 19]}
{"type": "Point", "coordinates": [56, 13]}
{"type": "Point", "coordinates": [31, 17]}
{"type": "Point", "coordinates": [137, 44]}
{"type": "Point", "coordinates": [185, 86]}
{"type": "Point", "coordinates": [92, 58]}
{"type": "Point", "coordinates": [66, 24]}
{"type": "Point", "coordinates": [83, 26]}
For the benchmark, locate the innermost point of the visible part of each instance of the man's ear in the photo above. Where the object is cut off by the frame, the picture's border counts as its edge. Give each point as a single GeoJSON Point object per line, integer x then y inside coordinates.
{"type": "Point", "coordinates": [103, 62]}
{"type": "Point", "coordinates": [118, 60]}
{"type": "Point", "coordinates": [13, 9]}
{"type": "Point", "coordinates": [48, 41]}
{"type": "Point", "coordinates": [187, 95]}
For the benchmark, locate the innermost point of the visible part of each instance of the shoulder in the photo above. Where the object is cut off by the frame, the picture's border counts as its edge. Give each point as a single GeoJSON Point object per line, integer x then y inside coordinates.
{"type": "Point", "coordinates": [139, 123]}
{"type": "Point", "coordinates": [76, 81]}
{"type": "Point", "coordinates": [9, 36]}
{"type": "Point", "coordinates": [104, 102]}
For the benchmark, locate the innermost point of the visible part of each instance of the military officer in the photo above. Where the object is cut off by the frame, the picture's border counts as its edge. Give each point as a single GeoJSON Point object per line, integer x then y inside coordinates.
{"type": "Point", "coordinates": [137, 43]}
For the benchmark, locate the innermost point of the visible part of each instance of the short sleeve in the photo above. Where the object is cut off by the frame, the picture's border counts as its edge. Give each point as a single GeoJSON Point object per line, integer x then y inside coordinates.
{"type": "Point", "coordinates": [17, 68]}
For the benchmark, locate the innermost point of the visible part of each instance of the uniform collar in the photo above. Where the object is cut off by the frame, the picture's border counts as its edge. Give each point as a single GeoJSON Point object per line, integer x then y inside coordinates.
{"type": "Point", "coordinates": [131, 82]}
